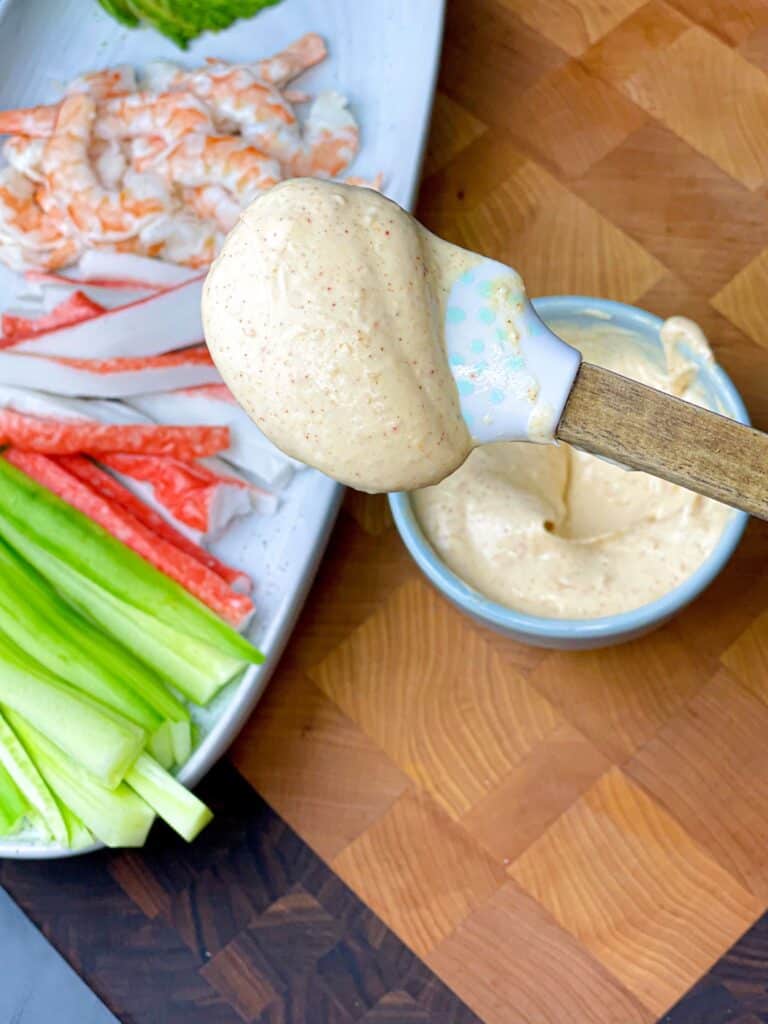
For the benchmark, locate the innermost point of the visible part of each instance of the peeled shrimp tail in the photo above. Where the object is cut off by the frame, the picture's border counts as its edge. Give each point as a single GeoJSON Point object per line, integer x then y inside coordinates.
{"type": "Point", "coordinates": [302, 54]}
{"type": "Point", "coordinates": [37, 122]}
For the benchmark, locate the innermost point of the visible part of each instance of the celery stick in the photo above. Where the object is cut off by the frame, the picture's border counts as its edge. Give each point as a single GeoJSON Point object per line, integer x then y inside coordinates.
{"type": "Point", "coordinates": [172, 802]}
{"type": "Point", "coordinates": [41, 623]}
{"type": "Point", "coordinates": [93, 552]}
{"type": "Point", "coordinates": [13, 803]}
{"type": "Point", "coordinates": [160, 745]}
{"type": "Point", "coordinates": [181, 741]}
{"type": "Point", "coordinates": [193, 667]}
{"type": "Point", "coordinates": [118, 817]}
{"type": "Point", "coordinates": [79, 836]}
{"type": "Point", "coordinates": [24, 773]}
{"type": "Point", "coordinates": [89, 732]}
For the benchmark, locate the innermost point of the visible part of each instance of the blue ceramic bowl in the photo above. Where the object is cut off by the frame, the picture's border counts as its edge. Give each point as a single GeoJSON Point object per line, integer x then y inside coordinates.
{"type": "Point", "coordinates": [579, 634]}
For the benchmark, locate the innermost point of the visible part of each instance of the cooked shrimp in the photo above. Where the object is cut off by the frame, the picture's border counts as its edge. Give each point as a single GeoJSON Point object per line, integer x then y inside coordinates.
{"type": "Point", "coordinates": [292, 61]}
{"type": "Point", "coordinates": [263, 115]}
{"type": "Point", "coordinates": [25, 155]}
{"type": "Point", "coordinates": [225, 160]}
{"type": "Point", "coordinates": [136, 245]}
{"type": "Point", "coordinates": [164, 169]}
{"type": "Point", "coordinates": [162, 76]}
{"type": "Point", "coordinates": [37, 122]}
{"type": "Point", "coordinates": [214, 203]}
{"type": "Point", "coordinates": [330, 142]}
{"type": "Point", "coordinates": [103, 85]}
{"type": "Point", "coordinates": [286, 65]}
{"type": "Point", "coordinates": [26, 229]}
{"type": "Point", "coordinates": [149, 151]}
{"type": "Point", "coordinates": [72, 186]}
{"type": "Point", "coordinates": [109, 160]}
{"type": "Point", "coordinates": [21, 219]}
{"type": "Point", "coordinates": [192, 242]}
{"type": "Point", "coordinates": [283, 67]}
{"type": "Point", "coordinates": [180, 238]}
{"type": "Point", "coordinates": [167, 115]}
{"type": "Point", "coordinates": [237, 98]}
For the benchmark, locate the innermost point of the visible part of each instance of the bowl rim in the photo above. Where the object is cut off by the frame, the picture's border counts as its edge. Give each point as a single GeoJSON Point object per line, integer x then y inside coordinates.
{"type": "Point", "coordinates": [606, 626]}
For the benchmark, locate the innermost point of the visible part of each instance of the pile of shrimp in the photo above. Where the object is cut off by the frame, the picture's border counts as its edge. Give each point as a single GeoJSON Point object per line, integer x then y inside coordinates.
{"type": "Point", "coordinates": [162, 165]}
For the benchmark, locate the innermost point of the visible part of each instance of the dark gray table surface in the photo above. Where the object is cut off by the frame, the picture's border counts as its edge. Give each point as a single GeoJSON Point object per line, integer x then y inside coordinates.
{"type": "Point", "coordinates": [38, 986]}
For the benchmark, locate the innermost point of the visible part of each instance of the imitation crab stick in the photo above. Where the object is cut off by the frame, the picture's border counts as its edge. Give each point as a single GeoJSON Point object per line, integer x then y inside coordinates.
{"type": "Point", "coordinates": [116, 271]}
{"type": "Point", "coordinates": [191, 493]}
{"type": "Point", "coordinates": [161, 322]}
{"type": "Point", "coordinates": [74, 309]}
{"type": "Point", "coordinates": [249, 449]}
{"type": "Point", "coordinates": [69, 437]}
{"type": "Point", "coordinates": [198, 579]}
{"type": "Point", "coordinates": [110, 378]}
{"type": "Point", "coordinates": [126, 270]}
{"type": "Point", "coordinates": [116, 493]}
{"type": "Point", "coordinates": [63, 407]}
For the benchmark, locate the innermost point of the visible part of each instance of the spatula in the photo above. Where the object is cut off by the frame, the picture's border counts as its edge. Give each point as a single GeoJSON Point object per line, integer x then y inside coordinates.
{"type": "Point", "coordinates": [518, 381]}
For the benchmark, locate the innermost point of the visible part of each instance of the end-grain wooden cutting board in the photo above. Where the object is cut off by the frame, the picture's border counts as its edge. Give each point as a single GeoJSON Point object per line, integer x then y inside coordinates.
{"type": "Point", "coordinates": [560, 836]}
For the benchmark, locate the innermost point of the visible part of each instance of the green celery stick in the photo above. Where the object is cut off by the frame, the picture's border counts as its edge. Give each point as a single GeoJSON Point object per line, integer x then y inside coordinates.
{"type": "Point", "coordinates": [79, 836]}
{"type": "Point", "coordinates": [191, 666]}
{"type": "Point", "coordinates": [23, 771]}
{"type": "Point", "coordinates": [13, 803]}
{"type": "Point", "coordinates": [194, 668]}
{"type": "Point", "coordinates": [67, 644]}
{"type": "Point", "coordinates": [95, 737]}
{"type": "Point", "coordinates": [94, 553]}
{"type": "Point", "coordinates": [168, 798]}
{"type": "Point", "coordinates": [39, 622]}
{"type": "Point", "coordinates": [160, 745]}
{"type": "Point", "coordinates": [181, 741]}
{"type": "Point", "coordinates": [118, 817]}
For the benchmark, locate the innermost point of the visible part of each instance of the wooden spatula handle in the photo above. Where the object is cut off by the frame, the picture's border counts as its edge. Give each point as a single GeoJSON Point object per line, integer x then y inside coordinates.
{"type": "Point", "coordinates": [642, 428]}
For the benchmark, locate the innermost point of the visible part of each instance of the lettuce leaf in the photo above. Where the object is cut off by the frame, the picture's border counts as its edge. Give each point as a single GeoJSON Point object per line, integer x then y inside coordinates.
{"type": "Point", "coordinates": [183, 20]}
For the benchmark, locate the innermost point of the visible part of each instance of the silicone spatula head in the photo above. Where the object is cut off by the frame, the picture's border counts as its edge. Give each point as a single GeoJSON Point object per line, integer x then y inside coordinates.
{"type": "Point", "coordinates": [512, 373]}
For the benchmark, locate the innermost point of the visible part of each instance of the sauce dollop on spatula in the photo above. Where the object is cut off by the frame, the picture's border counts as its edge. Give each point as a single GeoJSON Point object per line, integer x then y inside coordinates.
{"type": "Point", "coordinates": [325, 314]}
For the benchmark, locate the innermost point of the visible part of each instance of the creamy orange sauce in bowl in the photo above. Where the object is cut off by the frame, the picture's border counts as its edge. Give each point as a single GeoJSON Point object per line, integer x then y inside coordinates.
{"type": "Point", "coordinates": [558, 548]}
